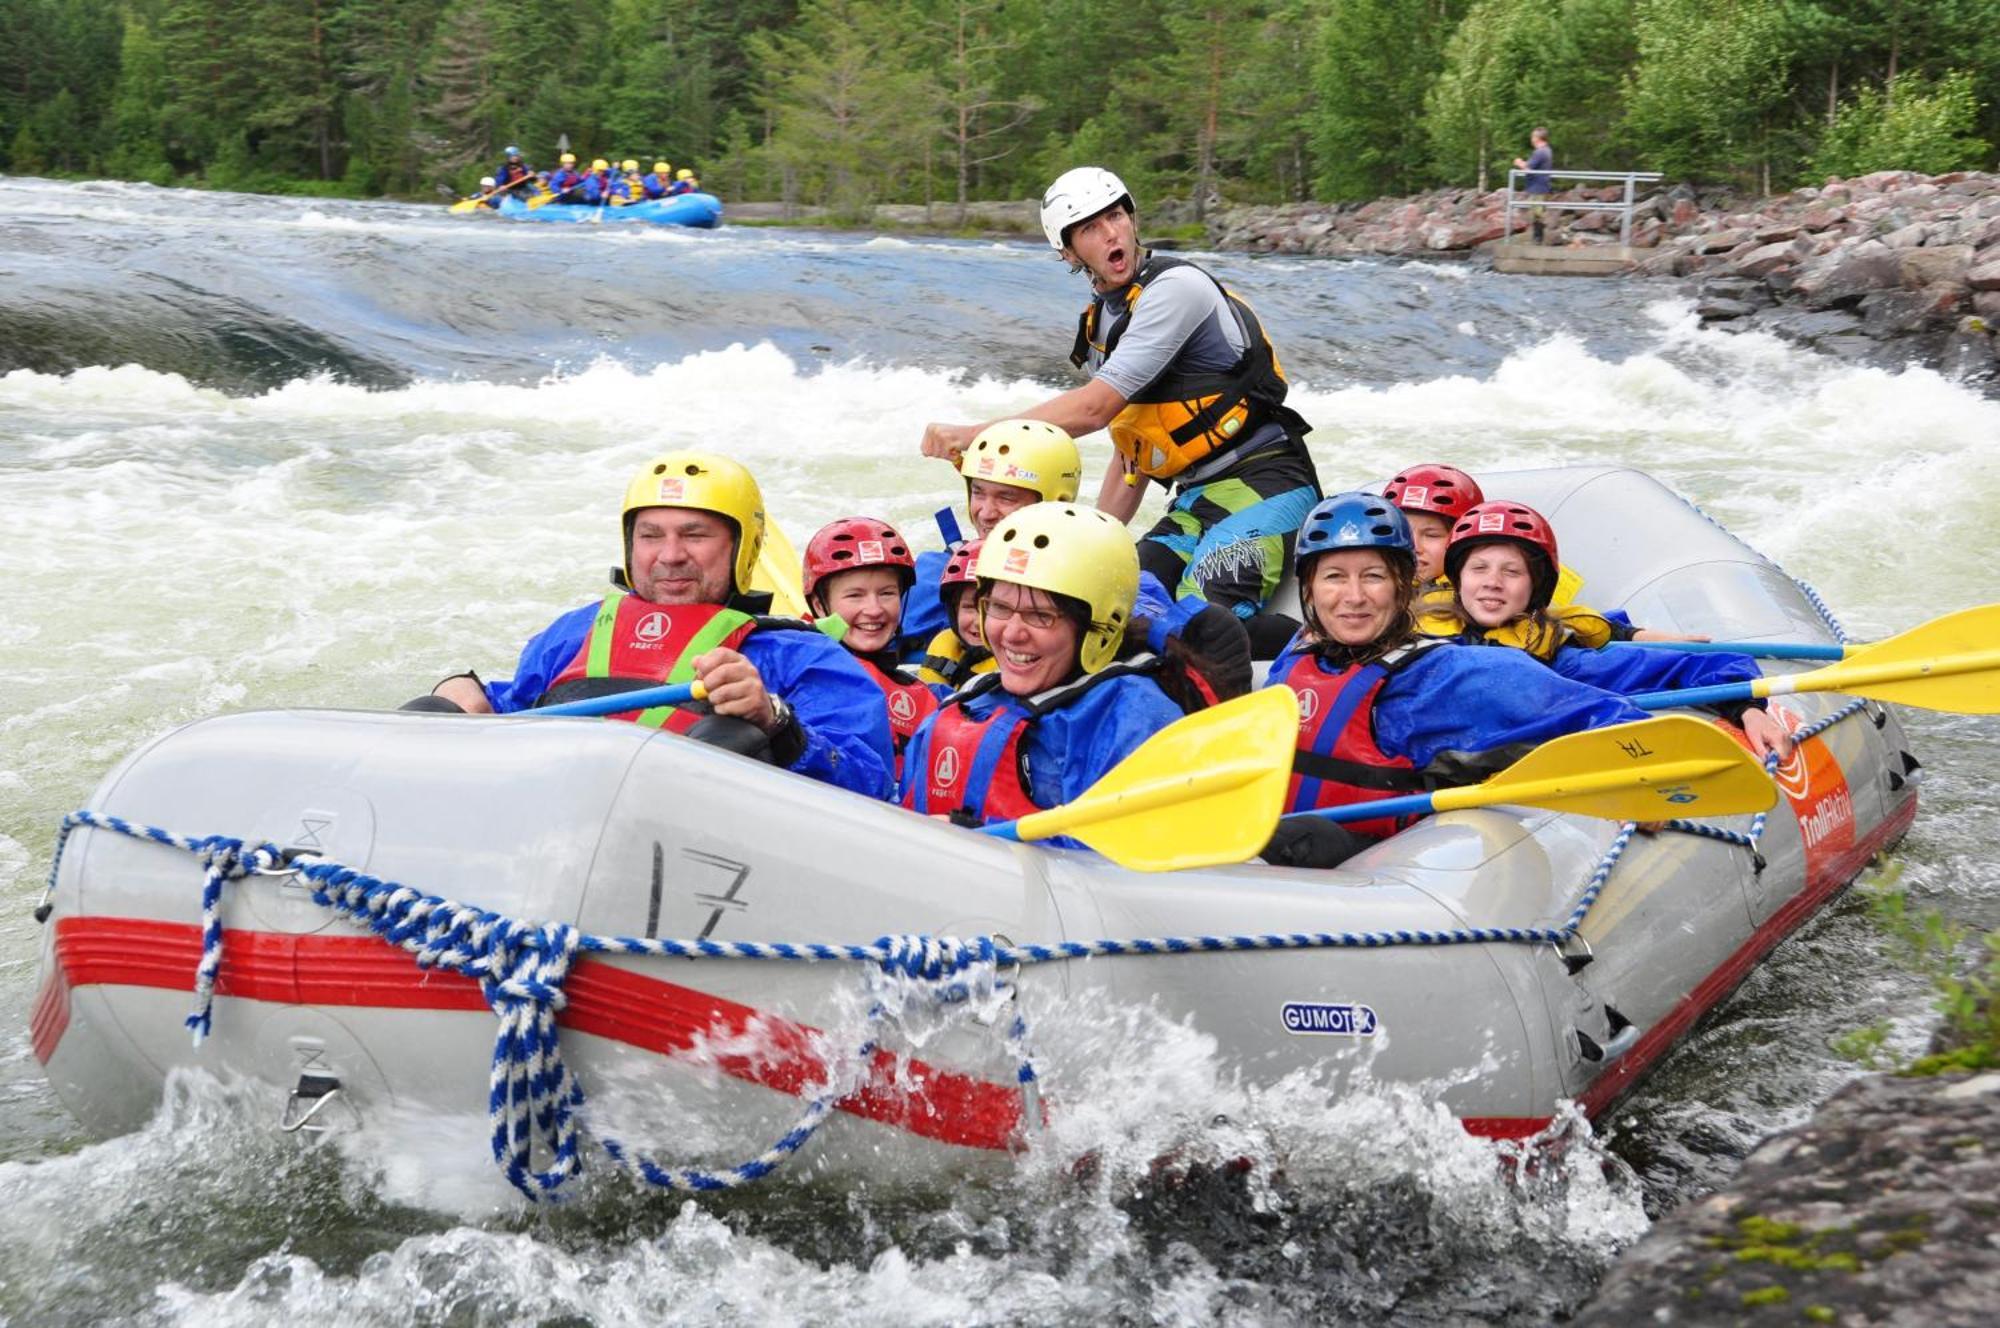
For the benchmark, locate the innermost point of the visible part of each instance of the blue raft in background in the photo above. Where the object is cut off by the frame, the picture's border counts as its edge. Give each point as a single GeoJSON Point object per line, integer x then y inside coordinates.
{"type": "Point", "coordinates": [699, 210]}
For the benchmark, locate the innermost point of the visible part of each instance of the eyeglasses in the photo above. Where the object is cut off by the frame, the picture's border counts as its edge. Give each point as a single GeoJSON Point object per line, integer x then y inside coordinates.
{"type": "Point", "coordinates": [992, 610]}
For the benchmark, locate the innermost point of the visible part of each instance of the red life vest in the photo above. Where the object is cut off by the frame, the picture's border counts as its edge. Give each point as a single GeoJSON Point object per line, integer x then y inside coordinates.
{"type": "Point", "coordinates": [910, 704]}
{"type": "Point", "coordinates": [1338, 761]}
{"type": "Point", "coordinates": [977, 765]}
{"type": "Point", "coordinates": [972, 764]}
{"type": "Point", "coordinates": [637, 641]}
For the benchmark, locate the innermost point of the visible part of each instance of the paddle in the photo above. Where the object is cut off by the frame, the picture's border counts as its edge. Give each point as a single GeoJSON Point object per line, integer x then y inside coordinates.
{"type": "Point", "coordinates": [1757, 649]}
{"type": "Point", "coordinates": [1950, 663]}
{"type": "Point", "coordinates": [471, 201]}
{"type": "Point", "coordinates": [1220, 775]}
{"type": "Point", "coordinates": [1648, 770]}
{"type": "Point", "coordinates": [674, 693]}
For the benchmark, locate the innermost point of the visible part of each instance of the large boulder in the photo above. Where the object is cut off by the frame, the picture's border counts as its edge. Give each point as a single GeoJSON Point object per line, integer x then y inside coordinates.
{"type": "Point", "coordinates": [1893, 313]}
{"type": "Point", "coordinates": [1986, 276]}
{"type": "Point", "coordinates": [1768, 258]}
{"type": "Point", "coordinates": [1845, 275]}
{"type": "Point", "coordinates": [1880, 1210]}
{"type": "Point", "coordinates": [1941, 265]}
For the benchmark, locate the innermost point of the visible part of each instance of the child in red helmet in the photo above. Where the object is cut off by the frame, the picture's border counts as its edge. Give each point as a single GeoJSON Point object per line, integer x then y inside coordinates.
{"type": "Point", "coordinates": [1432, 497]}
{"type": "Point", "coordinates": [1503, 564]}
{"type": "Point", "coordinates": [857, 571]}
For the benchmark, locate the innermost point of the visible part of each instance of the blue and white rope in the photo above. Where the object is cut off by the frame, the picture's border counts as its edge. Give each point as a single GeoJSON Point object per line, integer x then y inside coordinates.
{"type": "Point", "coordinates": [534, 1102]}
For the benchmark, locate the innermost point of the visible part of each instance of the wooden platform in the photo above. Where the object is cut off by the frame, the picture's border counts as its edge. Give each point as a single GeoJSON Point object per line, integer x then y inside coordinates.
{"type": "Point", "coordinates": [1554, 260]}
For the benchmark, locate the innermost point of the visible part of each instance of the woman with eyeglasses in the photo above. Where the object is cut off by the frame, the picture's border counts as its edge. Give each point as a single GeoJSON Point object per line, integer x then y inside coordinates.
{"type": "Point", "coordinates": [1055, 591]}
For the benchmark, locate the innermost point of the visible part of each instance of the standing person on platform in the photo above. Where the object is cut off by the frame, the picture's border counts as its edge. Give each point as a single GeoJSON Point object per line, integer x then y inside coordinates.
{"type": "Point", "coordinates": [1184, 376]}
{"type": "Point", "coordinates": [1540, 159]}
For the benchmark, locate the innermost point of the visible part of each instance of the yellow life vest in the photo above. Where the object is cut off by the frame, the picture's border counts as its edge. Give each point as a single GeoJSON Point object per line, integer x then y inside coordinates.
{"type": "Point", "coordinates": [1184, 416]}
{"type": "Point", "coordinates": [945, 663]}
{"type": "Point", "coordinates": [1568, 624]}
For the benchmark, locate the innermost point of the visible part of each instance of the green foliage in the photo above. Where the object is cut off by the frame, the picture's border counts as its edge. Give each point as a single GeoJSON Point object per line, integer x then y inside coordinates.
{"type": "Point", "coordinates": [1913, 125]}
{"type": "Point", "coordinates": [850, 102]}
{"type": "Point", "coordinates": [1376, 60]}
{"type": "Point", "coordinates": [1710, 76]}
{"type": "Point", "coordinates": [1964, 976]}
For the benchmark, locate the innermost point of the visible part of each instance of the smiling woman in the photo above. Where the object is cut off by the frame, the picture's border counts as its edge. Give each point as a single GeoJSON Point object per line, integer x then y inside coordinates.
{"type": "Point", "coordinates": [1056, 586]}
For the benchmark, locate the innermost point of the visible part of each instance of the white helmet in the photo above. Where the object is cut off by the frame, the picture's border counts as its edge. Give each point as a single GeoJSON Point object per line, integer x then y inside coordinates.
{"type": "Point", "coordinates": [487, 182]}
{"type": "Point", "coordinates": [1078, 195]}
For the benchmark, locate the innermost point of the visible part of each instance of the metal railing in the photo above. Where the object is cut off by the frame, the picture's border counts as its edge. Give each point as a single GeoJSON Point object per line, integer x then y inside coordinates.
{"type": "Point", "coordinates": [1631, 178]}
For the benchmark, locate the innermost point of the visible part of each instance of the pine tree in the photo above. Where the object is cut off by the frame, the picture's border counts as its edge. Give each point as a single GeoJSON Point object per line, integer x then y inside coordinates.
{"type": "Point", "coordinates": [1375, 63]}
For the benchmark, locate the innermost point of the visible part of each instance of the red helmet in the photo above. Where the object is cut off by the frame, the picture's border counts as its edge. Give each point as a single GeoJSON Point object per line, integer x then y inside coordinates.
{"type": "Point", "coordinates": [1511, 523]}
{"type": "Point", "coordinates": [856, 541]}
{"type": "Point", "coordinates": [1429, 487]}
{"type": "Point", "coordinates": [958, 568]}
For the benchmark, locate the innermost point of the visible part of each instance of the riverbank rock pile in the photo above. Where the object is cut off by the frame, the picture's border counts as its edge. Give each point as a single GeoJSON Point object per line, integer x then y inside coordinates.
{"type": "Point", "coordinates": [1882, 1210]}
{"type": "Point", "coordinates": [1845, 266]}
{"type": "Point", "coordinates": [1852, 262]}
{"type": "Point", "coordinates": [1442, 222]}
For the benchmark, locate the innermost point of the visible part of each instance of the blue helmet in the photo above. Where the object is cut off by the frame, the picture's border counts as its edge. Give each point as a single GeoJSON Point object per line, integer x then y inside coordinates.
{"type": "Point", "coordinates": [1354, 520]}
{"type": "Point", "coordinates": [513, 152]}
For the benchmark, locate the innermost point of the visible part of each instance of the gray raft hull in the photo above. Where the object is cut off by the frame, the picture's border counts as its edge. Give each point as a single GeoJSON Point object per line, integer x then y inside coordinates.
{"type": "Point", "coordinates": [620, 831]}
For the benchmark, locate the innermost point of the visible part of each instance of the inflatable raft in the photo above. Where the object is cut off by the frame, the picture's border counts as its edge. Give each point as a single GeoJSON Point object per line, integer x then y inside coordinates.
{"type": "Point", "coordinates": [734, 993]}
{"type": "Point", "coordinates": [702, 211]}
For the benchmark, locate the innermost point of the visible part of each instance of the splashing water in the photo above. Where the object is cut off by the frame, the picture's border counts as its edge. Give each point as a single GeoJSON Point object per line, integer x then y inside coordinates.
{"type": "Point", "coordinates": [324, 455]}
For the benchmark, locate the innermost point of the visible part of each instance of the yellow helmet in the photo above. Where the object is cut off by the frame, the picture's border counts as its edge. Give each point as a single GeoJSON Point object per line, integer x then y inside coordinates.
{"type": "Point", "coordinates": [661, 168]}
{"type": "Point", "coordinates": [702, 482]}
{"type": "Point", "coordinates": [1029, 454]}
{"type": "Point", "coordinates": [567, 159]}
{"type": "Point", "coordinates": [1067, 549]}
{"type": "Point", "coordinates": [600, 165]}
{"type": "Point", "coordinates": [684, 173]}
{"type": "Point", "coordinates": [628, 165]}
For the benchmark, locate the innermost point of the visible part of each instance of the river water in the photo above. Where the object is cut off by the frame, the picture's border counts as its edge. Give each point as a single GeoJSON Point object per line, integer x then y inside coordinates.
{"type": "Point", "coordinates": [261, 452]}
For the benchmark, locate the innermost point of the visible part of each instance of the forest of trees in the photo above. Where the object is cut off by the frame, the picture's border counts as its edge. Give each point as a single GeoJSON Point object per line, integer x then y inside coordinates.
{"type": "Point", "coordinates": [847, 103]}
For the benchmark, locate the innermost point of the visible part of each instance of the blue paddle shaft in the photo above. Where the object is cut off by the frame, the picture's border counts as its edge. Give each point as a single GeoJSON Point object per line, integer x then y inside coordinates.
{"type": "Point", "coordinates": [643, 699]}
{"type": "Point", "coordinates": [1415, 804]}
{"type": "Point", "coordinates": [947, 524]}
{"type": "Point", "coordinates": [1694, 696]}
{"type": "Point", "coordinates": [1754, 649]}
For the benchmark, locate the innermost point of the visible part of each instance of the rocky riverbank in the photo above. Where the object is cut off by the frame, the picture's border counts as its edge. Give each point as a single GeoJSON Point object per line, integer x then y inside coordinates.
{"type": "Point", "coordinates": [1883, 1209]}
{"type": "Point", "coordinates": [1886, 266]}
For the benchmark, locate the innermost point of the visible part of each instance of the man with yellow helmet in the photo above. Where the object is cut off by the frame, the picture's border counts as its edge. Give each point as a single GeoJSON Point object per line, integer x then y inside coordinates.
{"type": "Point", "coordinates": [566, 182]}
{"type": "Point", "coordinates": [1193, 394]}
{"type": "Point", "coordinates": [1056, 589]}
{"type": "Point", "coordinates": [1010, 464]}
{"type": "Point", "coordinates": [602, 185]}
{"type": "Point", "coordinates": [659, 182]}
{"type": "Point", "coordinates": [684, 182]}
{"type": "Point", "coordinates": [682, 609]}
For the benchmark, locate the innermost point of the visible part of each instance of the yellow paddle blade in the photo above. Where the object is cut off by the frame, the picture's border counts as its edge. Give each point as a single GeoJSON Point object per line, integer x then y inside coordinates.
{"type": "Point", "coordinates": [1651, 770]}
{"type": "Point", "coordinates": [465, 205]}
{"type": "Point", "coordinates": [1201, 792]}
{"type": "Point", "coordinates": [778, 571]}
{"type": "Point", "coordinates": [540, 199]}
{"type": "Point", "coordinates": [1950, 663]}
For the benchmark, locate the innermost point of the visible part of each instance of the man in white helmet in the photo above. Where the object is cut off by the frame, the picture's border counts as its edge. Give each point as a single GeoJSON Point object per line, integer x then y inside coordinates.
{"type": "Point", "coordinates": [1192, 392]}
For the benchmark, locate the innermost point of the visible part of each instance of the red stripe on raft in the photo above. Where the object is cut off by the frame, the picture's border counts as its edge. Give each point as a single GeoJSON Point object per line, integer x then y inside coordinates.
{"type": "Point", "coordinates": [604, 1000]}
{"type": "Point", "coordinates": [1709, 992]}
{"type": "Point", "coordinates": [50, 1019]}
